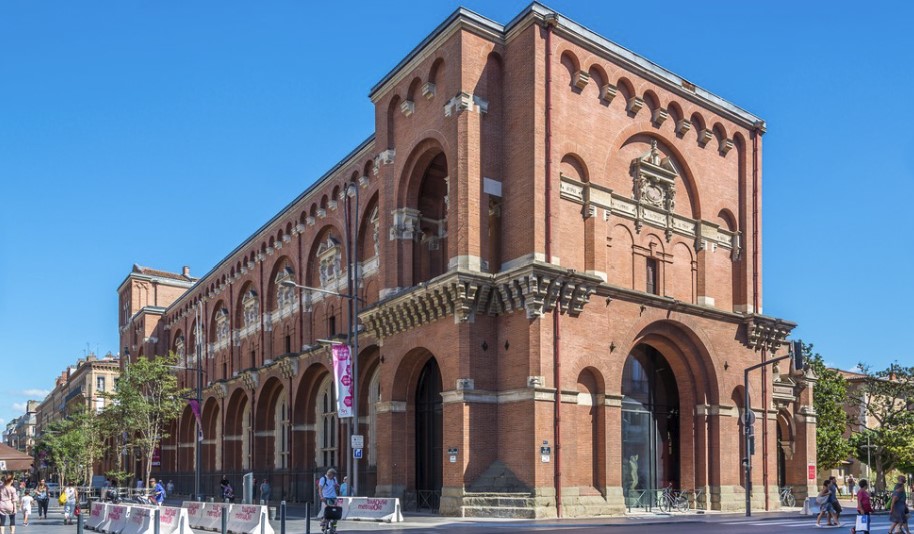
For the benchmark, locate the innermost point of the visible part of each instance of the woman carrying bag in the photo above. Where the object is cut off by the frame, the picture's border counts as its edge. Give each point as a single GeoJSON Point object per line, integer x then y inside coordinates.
{"type": "Point", "coordinates": [864, 508]}
{"type": "Point", "coordinates": [9, 500]}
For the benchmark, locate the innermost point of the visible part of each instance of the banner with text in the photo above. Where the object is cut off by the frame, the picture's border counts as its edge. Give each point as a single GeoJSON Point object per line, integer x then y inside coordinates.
{"type": "Point", "coordinates": [342, 372]}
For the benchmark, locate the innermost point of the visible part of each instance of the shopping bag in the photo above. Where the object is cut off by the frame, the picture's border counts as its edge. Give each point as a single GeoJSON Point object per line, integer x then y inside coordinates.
{"type": "Point", "coordinates": [863, 523]}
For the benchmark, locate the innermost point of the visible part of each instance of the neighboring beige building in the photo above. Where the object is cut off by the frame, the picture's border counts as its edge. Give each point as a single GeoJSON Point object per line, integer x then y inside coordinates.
{"type": "Point", "coordinates": [91, 377]}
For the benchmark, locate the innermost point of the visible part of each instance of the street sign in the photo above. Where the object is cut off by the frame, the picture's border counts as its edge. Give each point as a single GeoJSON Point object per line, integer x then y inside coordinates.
{"type": "Point", "coordinates": [358, 441]}
{"type": "Point", "coordinates": [357, 454]}
{"type": "Point", "coordinates": [749, 418]}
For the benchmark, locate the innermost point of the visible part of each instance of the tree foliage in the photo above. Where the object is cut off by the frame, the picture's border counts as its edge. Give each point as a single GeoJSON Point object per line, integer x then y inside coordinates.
{"type": "Point", "coordinates": [886, 398]}
{"type": "Point", "coordinates": [73, 445]}
{"type": "Point", "coordinates": [829, 396]}
{"type": "Point", "coordinates": [147, 399]}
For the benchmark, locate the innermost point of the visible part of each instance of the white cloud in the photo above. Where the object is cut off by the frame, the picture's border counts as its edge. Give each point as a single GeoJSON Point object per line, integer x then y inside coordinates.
{"type": "Point", "coordinates": [35, 393]}
{"type": "Point", "coordinates": [2, 421]}
{"type": "Point", "coordinates": [19, 406]}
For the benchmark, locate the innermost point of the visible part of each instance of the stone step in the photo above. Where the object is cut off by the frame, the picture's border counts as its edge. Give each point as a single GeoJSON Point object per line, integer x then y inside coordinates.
{"type": "Point", "coordinates": [498, 512]}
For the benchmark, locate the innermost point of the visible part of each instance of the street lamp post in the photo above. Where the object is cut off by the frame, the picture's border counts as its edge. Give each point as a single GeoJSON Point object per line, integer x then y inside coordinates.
{"type": "Point", "coordinates": [352, 336]}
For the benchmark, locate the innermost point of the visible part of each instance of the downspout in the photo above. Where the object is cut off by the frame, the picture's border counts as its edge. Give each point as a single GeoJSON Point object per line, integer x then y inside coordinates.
{"type": "Point", "coordinates": [756, 133]}
{"type": "Point", "coordinates": [550, 21]}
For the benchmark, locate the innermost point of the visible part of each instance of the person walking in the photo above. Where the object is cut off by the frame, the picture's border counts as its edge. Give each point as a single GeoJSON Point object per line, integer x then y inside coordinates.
{"type": "Point", "coordinates": [8, 503]}
{"type": "Point", "coordinates": [344, 487]}
{"type": "Point", "coordinates": [898, 510]}
{"type": "Point", "coordinates": [228, 494]}
{"type": "Point", "coordinates": [864, 506]}
{"type": "Point", "coordinates": [825, 507]}
{"type": "Point", "coordinates": [265, 492]}
{"type": "Point", "coordinates": [42, 497]}
{"type": "Point", "coordinates": [69, 506]}
{"type": "Point", "coordinates": [158, 491]}
{"type": "Point", "coordinates": [833, 499]}
{"type": "Point", "coordinates": [26, 504]}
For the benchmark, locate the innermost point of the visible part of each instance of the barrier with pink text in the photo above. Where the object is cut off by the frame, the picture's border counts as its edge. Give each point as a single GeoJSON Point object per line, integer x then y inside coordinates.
{"type": "Point", "coordinates": [249, 519]}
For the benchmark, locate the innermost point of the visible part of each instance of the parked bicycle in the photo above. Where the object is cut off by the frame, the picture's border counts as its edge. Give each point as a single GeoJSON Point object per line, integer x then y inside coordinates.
{"type": "Point", "coordinates": [673, 500]}
{"type": "Point", "coordinates": [332, 514]}
{"type": "Point", "coordinates": [787, 497]}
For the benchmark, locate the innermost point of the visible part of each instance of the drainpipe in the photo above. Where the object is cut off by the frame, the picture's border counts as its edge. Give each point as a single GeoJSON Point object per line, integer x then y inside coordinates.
{"type": "Point", "coordinates": [756, 134]}
{"type": "Point", "coordinates": [550, 21]}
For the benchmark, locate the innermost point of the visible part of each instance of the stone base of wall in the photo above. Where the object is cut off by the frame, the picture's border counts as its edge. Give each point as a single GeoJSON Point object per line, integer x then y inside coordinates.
{"type": "Point", "coordinates": [538, 504]}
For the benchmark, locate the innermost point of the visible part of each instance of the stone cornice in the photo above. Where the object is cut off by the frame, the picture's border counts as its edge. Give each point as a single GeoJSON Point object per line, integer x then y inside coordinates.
{"type": "Point", "coordinates": [763, 332]}
{"type": "Point", "coordinates": [535, 287]}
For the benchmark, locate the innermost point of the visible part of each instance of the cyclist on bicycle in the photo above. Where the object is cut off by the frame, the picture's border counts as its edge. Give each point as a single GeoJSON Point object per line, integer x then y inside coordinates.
{"type": "Point", "coordinates": [329, 490]}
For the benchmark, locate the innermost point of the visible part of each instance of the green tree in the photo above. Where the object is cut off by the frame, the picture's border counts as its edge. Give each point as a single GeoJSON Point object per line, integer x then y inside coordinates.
{"type": "Point", "coordinates": [829, 396]}
{"type": "Point", "coordinates": [74, 444]}
{"type": "Point", "coordinates": [886, 398]}
{"type": "Point", "coordinates": [146, 400]}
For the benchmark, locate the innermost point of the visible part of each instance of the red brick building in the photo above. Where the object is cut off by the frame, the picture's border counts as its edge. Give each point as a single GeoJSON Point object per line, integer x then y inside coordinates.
{"type": "Point", "coordinates": [542, 216]}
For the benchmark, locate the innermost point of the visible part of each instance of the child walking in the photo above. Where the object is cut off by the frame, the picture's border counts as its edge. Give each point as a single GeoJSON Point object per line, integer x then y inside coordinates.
{"type": "Point", "coordinates": [26, 504]}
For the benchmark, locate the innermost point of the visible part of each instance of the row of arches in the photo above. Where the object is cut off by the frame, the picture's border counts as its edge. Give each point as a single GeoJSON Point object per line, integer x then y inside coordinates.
{"type": "Point", "coordinates": [686, 119]}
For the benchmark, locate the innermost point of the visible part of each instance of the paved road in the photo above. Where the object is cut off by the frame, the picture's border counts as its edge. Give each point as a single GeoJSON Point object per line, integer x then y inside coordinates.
{"type": "Point", "coordinates": [774, 523]}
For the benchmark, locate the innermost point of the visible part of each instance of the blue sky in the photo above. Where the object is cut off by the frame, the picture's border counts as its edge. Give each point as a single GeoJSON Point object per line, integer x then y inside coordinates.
{"type": "Point", "coordinates": [164, 133]}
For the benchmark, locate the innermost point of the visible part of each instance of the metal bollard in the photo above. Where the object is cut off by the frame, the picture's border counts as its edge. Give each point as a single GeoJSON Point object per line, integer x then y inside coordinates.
{"type": "Point", "coordinates": [282, 517]}
{"type": "Point", "coordinates": [224, 518]}
{"type": "Point", "coordinates": [156, 522]}
{"type": "Point", "coordinates": [308, 517]}
{"type": "Point", "coordinates": [79, 521]}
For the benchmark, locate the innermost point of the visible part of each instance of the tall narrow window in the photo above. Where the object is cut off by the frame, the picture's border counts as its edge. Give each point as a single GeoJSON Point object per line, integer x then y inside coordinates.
{"type": "Point", "coordinates": [327, 425]}
{"type": "Point", "coordinates": [652, 279]}
{"type": "Point", "coordinates": [100, 383]}
{"type": "Point", "coordinates": [288, 341]}
{"type": "Point", "coordinates": [331, 325]}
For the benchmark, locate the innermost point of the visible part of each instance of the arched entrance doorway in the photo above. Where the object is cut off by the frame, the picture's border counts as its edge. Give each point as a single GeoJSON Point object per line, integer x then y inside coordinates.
{"type": "Point", "coordinates": [650, 423]}
{"type": "Point", "coordinates": [429, 436]}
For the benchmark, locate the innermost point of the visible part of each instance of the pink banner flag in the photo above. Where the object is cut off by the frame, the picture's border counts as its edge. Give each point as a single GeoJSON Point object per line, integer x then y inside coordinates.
{"type": "Point", "coordinates": [195, 407]}
{"type": "Point", "coordinates": [342, 372]}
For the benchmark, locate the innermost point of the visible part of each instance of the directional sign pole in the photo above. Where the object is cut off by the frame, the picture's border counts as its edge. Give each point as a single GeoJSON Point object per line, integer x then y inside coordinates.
{"type": "Point", "coordinates": [748, 432]}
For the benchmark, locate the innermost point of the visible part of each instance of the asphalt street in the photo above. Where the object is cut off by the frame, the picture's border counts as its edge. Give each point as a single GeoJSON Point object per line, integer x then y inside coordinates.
{"type": "Point", "coordinates": [782, 522]}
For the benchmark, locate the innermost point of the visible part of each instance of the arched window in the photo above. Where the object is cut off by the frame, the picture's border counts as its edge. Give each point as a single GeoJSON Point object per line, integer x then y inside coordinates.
{"type": "Point", "coordinates": [374, 397]}
{"type": "Point", "coordinates": [282, 437]}
{"type": "Point", "coordinates": [329, 254]}
{"type": "Point", "coordinates": [251, 306]}
{"type": "Point", "coordinates": [285, 294]}
{"type": "Point", "coordinates": [222, 325]}
{"type": "Point", "coordinates": [327, 425]}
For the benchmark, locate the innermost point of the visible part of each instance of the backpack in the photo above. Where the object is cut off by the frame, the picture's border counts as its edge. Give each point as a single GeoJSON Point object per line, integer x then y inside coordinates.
{"type": "Point", "coordinates": [63, 498]}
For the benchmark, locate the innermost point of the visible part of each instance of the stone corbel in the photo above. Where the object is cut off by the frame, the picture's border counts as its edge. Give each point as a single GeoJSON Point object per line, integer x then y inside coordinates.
{"type": "Point", "coordinates": [428, 90]}
{"type": "Point", "coordinates": [385, 157]}
{"type": "Point", "coordinates": [581, 79]}
{"type": "Point", "coordinates": [658, 116]}
{"type": "Point", "coordinates": [270, 251]}
{"type": "Point", "coordinates": [464, 101]}
{"type": "Point", "coordinates": [634, 105]}
{"type": "Point", "coordinates": [683, 126]}
{"type": "Point", "coordinates": [332, 204]}
{"type": "Point", "coordinates": [608, 92]}
{"type": "Point", "coordinates": [286, 237]}
{"type": "Point", "coordinates": [321, 213]}
{"type": "Point", "coordinates": [408, 107]}
{"type": "Point", "coordinates": [364, 181]}
{"type": "Point", "coordinates": [726, 145]}
{"type": "Point", "coordinates": [704, 137]}
{"type": "Point", "coordinates": [309, 220]}
{"type": "Point", "coordinates": [299, 228]}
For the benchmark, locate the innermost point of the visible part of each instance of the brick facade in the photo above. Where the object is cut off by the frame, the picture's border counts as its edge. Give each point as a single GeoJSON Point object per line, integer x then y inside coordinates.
{"type": "Point", "coordinates": [536, 204]}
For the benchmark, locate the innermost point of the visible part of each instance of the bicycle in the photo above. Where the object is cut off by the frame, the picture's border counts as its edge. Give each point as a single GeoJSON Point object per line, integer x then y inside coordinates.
{"type": "Point", "coordinates": [671, 500]}
{"type": "Point", "coordinates": [880, 500]}
{"type": "Point", "coordinates": [332, 514]}
{"type": "Point", "coordinates": [787, 497]}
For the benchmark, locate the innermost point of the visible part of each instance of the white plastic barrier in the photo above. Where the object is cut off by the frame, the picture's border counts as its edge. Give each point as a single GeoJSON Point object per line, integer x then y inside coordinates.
{"type": "Point", "coordinates": [370, 508]}
{"type": "Point", "coordinates": [139, 521]}
{"type": "Point", "coordinates": [212, 515]}
{"type": "Point", "coordinates": [194, 513]}
{"type": "Point", "coordinates": [115, 518]}
{"type": "Point", "coordinates": [249, 519]}
{"type": "Point", "coordinates": [96, 515]}
{"type": "Point", "coordinates": [172, 520]}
